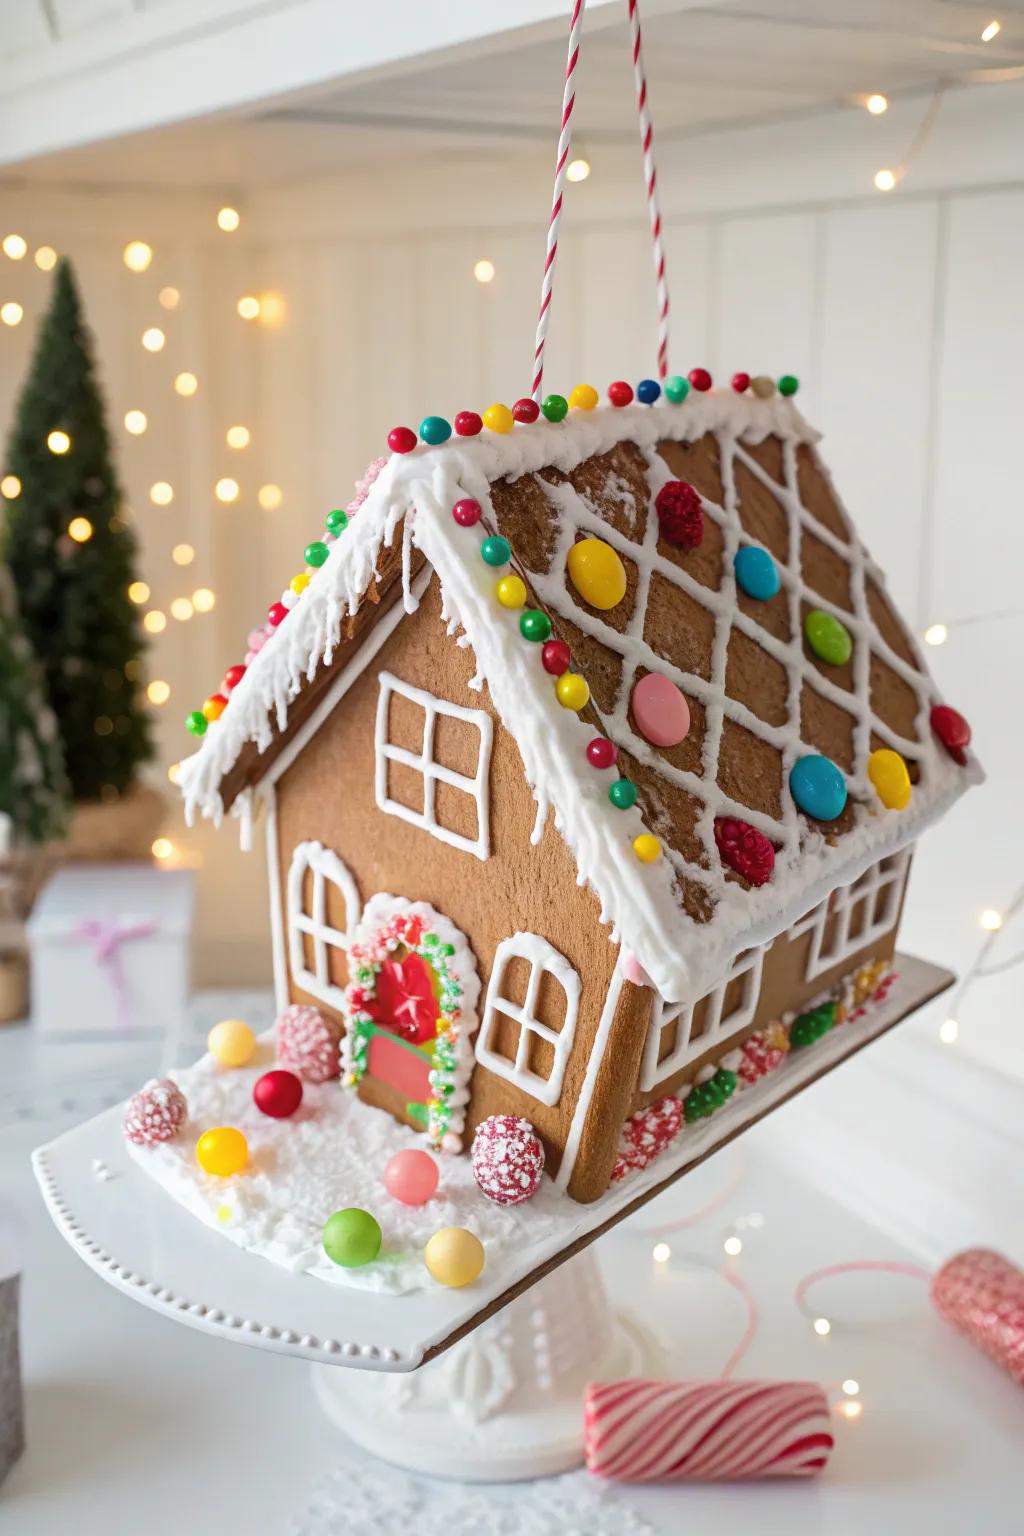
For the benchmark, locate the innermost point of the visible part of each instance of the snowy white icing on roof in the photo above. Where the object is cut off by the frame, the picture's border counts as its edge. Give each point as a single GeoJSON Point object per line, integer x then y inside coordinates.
{"type": "Point", "coordinates": [640, 901]}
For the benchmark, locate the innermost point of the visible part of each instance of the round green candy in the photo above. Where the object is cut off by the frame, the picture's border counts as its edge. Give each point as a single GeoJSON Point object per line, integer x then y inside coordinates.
{"type": "Point", "coordinates": [622, 794]}
{"type": "Point", "coordinates": [495, 550]}
{"type": "Point", "coordinates": [828, 639]}
{"type": "Point", "coordinates": [336, 521]}
{"type": "Point", "coordinates": [315, 553]}
{"type": "Point", "coordinates": [534, 625]}
{"type": "Point", "coordinates": [555, 407]}
{"type": "Point", "coordinates": [788, 384]}
{"type": "Point", "coordinates": [676, 389]}
{"type": "Point", "coordinates": [352, 1238]}
{"type": "Point", "coordinates": [196, 722]}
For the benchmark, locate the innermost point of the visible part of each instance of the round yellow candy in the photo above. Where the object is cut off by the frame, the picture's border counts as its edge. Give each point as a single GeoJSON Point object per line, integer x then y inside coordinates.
{"type": "Point", "coordinates": [597, 573]}
{"type": "Point", "coordinates": [214, 707]}
{"type": "Point", "coordinates": [222, 1151]}
{"type": "Point", "coordinates": [888, 773]}
{"type": "Point", "coordinates": [498, 418]}
{"type": "Point", "coordinates": [646, 848]}
{"type": "Point", "coordinates": [231, 1043]}
{"type": "Point", "coordinates": [584, 397]}
{"type": "Point", "coordinates": [300, 582]}
{"type": "Point", "coordinates": [454, 1256]}
{"type": "Point", "coordinates": [572, 690]}
{"type": "Point", "coordinates": [511, 591]}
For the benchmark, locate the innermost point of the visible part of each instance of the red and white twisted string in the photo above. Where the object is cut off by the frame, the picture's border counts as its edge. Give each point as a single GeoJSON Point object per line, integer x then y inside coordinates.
{"type": "Point", "coordinates": [561, 161]}
{"type": "Point", "coordinates": [651, 178]}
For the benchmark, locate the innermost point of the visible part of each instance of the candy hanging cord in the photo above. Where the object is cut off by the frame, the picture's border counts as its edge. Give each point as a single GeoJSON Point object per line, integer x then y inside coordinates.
{"type": "Point", "coordinates": [561, 163]}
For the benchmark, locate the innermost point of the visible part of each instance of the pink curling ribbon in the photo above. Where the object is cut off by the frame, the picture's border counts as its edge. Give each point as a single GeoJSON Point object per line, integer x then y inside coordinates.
{"type": "Point", "coordinates": [106, 935]}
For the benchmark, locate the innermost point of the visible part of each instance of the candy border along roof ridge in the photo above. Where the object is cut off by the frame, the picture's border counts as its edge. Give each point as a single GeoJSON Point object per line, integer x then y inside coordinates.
{"type": "Point", "coordinates": [637, 900]}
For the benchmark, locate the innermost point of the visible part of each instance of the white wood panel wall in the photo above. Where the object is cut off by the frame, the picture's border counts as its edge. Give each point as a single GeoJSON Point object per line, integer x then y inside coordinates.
{"type": "Point", "coordinates": [903, 317]}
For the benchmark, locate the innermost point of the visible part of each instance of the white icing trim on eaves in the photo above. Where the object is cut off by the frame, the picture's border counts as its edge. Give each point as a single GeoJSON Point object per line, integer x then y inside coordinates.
{"type": "Point", "coordinates": [638, 901]}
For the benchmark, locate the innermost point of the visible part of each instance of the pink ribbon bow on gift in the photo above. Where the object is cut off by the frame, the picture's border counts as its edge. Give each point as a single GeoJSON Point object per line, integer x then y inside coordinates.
{"type": "Point", "coordinates": [106, 935]}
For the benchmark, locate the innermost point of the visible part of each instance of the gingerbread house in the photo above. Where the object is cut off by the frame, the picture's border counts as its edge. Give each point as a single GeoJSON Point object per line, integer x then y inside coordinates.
{"type": "Point", "coordinates": [589, 749]}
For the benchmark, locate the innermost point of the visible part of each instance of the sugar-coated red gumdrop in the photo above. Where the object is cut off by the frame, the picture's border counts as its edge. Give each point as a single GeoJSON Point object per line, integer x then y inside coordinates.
{"type": "Point", "coordinates": [278, 1093]}
{"type": "Point", "coordinates": [309, 1043]}
{"type": "Point", "coordinates": [680, 515]}
{"type": "Point", "coordinates": [411, 1176]}
{"type": "Point", "coordinates": [952, 730]}
{"type": "Point", "coordinates": [156, 1113]}
{"type": "Point", "coordinates": [744, 849]}
{"type": "Point", "coordinates": [508, 1159]}
{"type": "Point", "coordinates": [649, 1132]}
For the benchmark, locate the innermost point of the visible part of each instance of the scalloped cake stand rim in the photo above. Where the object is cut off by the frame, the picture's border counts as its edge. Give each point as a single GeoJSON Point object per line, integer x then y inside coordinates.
{"type": "Point", "coordinates": [139, 1239]}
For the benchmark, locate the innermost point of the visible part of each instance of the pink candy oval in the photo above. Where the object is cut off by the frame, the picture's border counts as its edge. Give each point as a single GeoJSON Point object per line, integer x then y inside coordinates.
{"type": "Point", "coordinates": [660, 710]}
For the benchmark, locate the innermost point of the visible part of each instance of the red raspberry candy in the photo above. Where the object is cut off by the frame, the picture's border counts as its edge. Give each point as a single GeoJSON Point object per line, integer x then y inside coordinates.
{"type": "Point", "coordinates": [156, 1113]}
{"type": "Point", "coordinates": [759, 1058]}
{"type": "Point", "coordinates": [744, 849]}
{"type": "Point", "coordinates": [646, 1135]}
{"type": "Point", "coordinates": [308, 1043]}
{"type": "Point", "coordinates": [508, 1159]}
{"type": "Point", "coordinates": [680, 515]}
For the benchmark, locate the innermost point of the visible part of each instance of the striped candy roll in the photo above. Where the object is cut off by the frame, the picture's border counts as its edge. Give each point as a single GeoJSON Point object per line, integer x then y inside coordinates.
{"type": "Point", "coordinates": [703, 1431]}
{"type": "Point", "coordinates": [982, 1294]}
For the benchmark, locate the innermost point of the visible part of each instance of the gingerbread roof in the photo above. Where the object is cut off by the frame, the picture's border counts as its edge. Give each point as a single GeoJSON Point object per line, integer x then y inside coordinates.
{"type": "Point", "coordinates": [759, 698]}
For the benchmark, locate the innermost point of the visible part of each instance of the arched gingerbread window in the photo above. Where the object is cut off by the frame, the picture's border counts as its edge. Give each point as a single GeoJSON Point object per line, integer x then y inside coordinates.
{"type": "Point", "coordinates": [320, 887]}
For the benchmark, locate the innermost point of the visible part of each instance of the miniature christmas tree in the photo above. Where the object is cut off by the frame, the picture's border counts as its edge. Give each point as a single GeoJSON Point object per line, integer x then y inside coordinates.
{"type": "Point", "coordinates": [33, 787]}
{"type": "Point", "coordinates": [72, 556]}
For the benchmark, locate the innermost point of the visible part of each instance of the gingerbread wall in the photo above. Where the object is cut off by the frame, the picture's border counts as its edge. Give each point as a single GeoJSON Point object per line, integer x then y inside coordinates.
{"type": "Point", "coordinates": [327, 795]}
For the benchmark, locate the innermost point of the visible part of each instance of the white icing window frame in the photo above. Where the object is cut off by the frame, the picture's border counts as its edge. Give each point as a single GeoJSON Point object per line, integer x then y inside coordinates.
{"type": "Point", "coordinates": [716, 1028]}
{"type": "Point", "coordinates": [886, 878]}
{"type": "Point", "coordinates": [542, 957]}
{"type": "Point", "coordinates": [477, 787]}
{"type": "Point", "coordinates": [326, 866]}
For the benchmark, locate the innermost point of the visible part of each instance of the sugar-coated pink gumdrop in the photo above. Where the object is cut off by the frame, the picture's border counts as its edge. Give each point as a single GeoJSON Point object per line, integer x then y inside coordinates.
{"type": "Point", "coordinates": [411, 1176]}
{"type": "Point", "coordinates": [508, 1159]}
{"type": "Point", "coordinates": [660, 710]}
{"type": "Point", "coordinates": [156, 1113]}
{"type": "Point", "coordinates": [308, 1043]}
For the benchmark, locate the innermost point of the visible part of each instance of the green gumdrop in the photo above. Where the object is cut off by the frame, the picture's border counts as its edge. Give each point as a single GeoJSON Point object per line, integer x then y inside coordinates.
{"type": "Point", "coordinates": [351, 1238]}
{"type": "Point", "coordinates": [726, 1081]}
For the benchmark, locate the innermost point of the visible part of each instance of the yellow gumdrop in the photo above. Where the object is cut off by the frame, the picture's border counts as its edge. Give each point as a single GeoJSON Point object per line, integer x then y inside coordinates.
{"type": "Point", "coordinates": [222, 1151]}
{"type": "Point", "coordinates": [454, 1256]}
{"type": "Point", "coordinates": [231, 1043]}
{"type": "Point", "coordinates": [584, 397]}
{"type": "Point", "coordinates": [498, 418]}
{"type": "Point", "coordinates": [572, 690]}
{"type": "Point", "coordinates": [888, 773]}
{"type": "Point", "coordinates": [511, 591]}
{"type": "Point", "coordinates": [646, 848]}
{"type": "Point", "coordinates": [300, 582]}
{"type": "Point", "coordinates": [597, 573]}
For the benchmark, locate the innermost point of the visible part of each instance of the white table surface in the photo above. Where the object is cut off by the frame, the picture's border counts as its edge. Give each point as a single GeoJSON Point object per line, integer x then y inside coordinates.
{"type": "Point", "coordinates": [135, 1422]}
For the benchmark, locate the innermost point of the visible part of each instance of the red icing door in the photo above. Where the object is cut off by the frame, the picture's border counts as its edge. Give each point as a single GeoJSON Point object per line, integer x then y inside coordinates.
{"type": "Point", "coordinates": [405, 1013]}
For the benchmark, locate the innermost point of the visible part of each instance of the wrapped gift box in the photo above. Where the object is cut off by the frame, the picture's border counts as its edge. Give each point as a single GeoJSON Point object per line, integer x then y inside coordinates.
{"type": "Point", "coordinates": [109, 951]}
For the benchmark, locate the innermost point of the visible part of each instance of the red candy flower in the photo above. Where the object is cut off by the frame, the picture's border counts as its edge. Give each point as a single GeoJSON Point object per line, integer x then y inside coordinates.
{"type": "Point", "coordinates": [405, 1000]}
{"type": "Point", "coordinates": [744, 849]}
{"type": "Point", "coordinates": [680, 515]}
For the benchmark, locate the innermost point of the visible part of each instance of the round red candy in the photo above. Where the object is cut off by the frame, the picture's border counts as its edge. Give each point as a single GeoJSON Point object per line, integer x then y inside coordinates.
{"type": "Point", "coordinates": [601, 753]}
{"type": "Point", "coordinates": [508, 1159]}
{"type": "Point", "coordinates": [555, 657]}
{"type": "Point", "coordinates": [277, 1093]}
{"type": "Point", "coordinates": [468, 424]}
{"type": "Point", "coordinates": [526, 411]}
{"type": "Point", "coordinates": [156, 1113]}
{"type": "Point", "coordinates": [466, 512]}
{"type": "Point", "coordinates": [741, 382]}
{"type": "Point", "coordinates": [277, 613]}
{"type": "Point", "coordinates": [308, 1043]}
{"type": "Point", "coordinates": [402, 439]}
{"type": "Point", "coordinates": [620, 393]}
{"type": "Point", "coordinates": [411, 1176]}
{"type": "Point", "coordinates": [700, 379]}
{"type": "Point", "coordinates": [952, 730]}
{"type": "Point", "coordinates": [232, 677]}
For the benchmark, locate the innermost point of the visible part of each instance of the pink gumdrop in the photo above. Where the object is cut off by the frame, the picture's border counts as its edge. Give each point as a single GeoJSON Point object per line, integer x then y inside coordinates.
{"type": "Point", "coordinates": [256, 639]}
{"type": "Point", "coordinates": [411, 1177]}
{"type": "Point", "coordinates": [660, 710]}
{"type": "Point", "coordinates": [250, 657]}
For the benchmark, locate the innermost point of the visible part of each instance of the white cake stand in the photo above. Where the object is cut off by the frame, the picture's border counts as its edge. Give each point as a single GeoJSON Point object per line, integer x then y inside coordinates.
{"type": "Point", "coordinates": [504, 1403]}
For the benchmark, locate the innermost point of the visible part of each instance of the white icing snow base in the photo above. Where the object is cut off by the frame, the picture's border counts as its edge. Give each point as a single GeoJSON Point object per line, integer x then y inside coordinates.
{"type": "Point", "coordinates": [638, 901]}
{"type": "Point", "coordinates": [326, 1157]}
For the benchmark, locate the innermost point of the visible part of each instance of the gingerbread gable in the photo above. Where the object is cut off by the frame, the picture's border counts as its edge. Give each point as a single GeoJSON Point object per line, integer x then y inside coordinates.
{"type": "Point", "coordinates": [759, 698]}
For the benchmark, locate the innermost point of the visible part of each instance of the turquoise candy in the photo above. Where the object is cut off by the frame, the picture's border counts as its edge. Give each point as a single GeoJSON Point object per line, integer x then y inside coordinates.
{"type": "Point", "coordinates": [818, 787]}
{"type": "Point", "coordinates": [756, 573]}
{"type": "Point", "coordinates": [495, 550]}
{"type": "Point", "coordinates": [351, 1238]}
{"type": "Point", "coordinates": [434, 430]}
{"type": "Point", "coordinates": [676, 389]}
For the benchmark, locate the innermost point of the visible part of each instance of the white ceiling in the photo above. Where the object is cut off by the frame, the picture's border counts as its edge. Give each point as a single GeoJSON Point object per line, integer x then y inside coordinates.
{"type": "Point", "coordinates": [709, 67]}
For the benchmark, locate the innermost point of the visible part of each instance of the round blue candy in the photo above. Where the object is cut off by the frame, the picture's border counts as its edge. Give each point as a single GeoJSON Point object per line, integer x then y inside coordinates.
{"type": "Point", "coordinates": [647, 391]}
{"type": "Point", "coordinates": [434, 430]}
{"type": "Point", "coordinates": [818, 787]}
{"type": "Point", "coordinates": [756, 573]}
